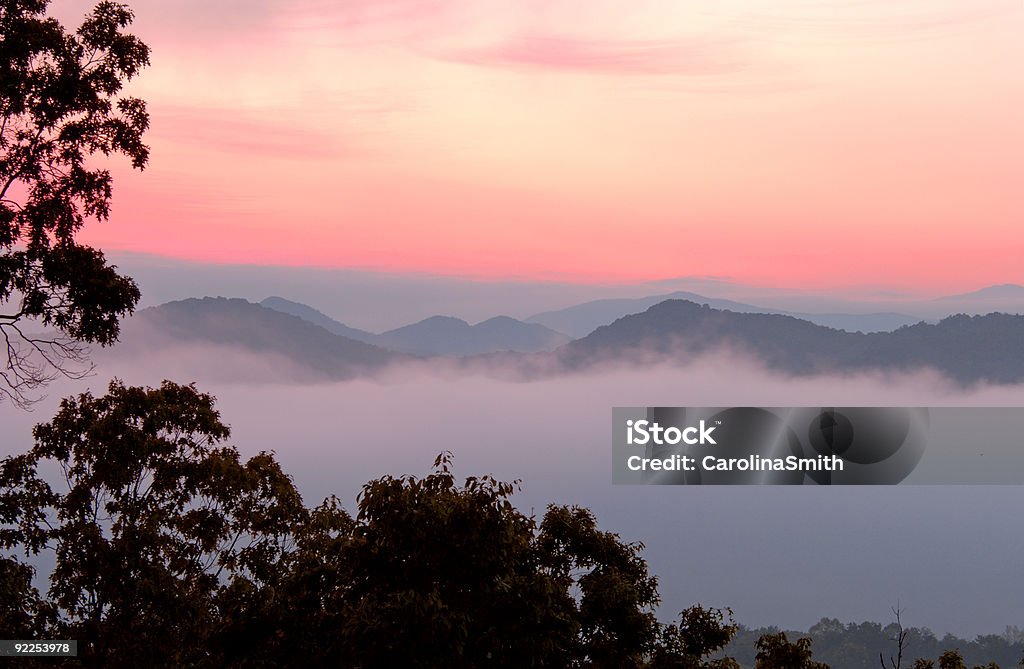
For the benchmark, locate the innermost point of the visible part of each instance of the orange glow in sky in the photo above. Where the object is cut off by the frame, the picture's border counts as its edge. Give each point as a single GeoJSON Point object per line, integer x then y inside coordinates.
{"type": "Point", "coordinates": [811, 143]}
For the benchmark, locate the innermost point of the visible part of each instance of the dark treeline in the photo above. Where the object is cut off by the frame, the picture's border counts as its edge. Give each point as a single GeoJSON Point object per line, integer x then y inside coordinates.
{"type": "Point", "coordinates": [171, 550]}
{"type": "Point", "coordinates": [858, 645]}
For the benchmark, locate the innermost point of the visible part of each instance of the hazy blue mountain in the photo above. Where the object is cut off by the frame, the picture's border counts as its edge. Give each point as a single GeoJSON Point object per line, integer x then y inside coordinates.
{"type": "Point", "coordinates": [1005, 298]}
{"type": "Point", "coordinates": [445, 335]}
{"type": "Point", "coordinates": [308, 313]}
{"type": "Point", "coordinates": [438, 335]}
{"type": "Point", "coordinates": [238, 324]}
{"type": "Point", "coordinates": [1011, 291]}
{"type": "Point", "coordinates": [582, 319]}
{"type": "Point", "coordinates": [967, 348]}
{"type": "Point", "coordinates": [882, 321]}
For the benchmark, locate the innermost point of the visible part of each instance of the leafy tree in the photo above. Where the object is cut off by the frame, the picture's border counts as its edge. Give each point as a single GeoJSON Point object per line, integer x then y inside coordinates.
{"type": "Point", "coordinates": [155, 520]}
{"type": "Point", "coordinates": [170, 550]}
{"type": "Point", "coordinates": [432, 573]}
{"type": "Point", "coordinates": [60, 106]}
{"type": "Point", "coordinates": [20, 604]}
{"type": "Point", "coordinates": [950, 659]}
{"type": "Point", "coordinates": [775, 651]}
{"type": "Point", "coordinates": [699, 634]}
{"type": "Point", "coordinates": [439, 574]}
{"type": "Point", "coordinates": [617, 626]}
{"type": "Point", "coordinates": [856, 645]}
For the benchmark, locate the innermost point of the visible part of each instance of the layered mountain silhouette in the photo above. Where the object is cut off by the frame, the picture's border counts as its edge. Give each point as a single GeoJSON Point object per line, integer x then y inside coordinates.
{"type": "Point", "coordinates": [308, 313]}
{"type": "Point", "coordinates": [966, 348]}
{"type": "Point", "coordinates": [581, 319]}
{"type": "Point", "coordinates": [444, 335]}
{"type": "Point", "coordinates": [438, 335]}
{"type": "Point", "coordinates": [1004, 291]}
{"type": "Point", "coordinates": [232, 323]}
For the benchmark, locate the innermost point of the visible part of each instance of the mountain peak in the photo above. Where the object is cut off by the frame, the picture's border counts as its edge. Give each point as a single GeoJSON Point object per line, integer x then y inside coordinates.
{"type": "Point", "coordinates": [965, 348]}
{"type": "Point", "coordinates": [443, 320]}
{"type": "Point", "coordinates": [998, 291]}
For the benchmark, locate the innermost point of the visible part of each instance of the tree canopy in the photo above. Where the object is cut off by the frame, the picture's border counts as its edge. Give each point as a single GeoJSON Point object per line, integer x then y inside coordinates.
{"type": "Point", "coordinates": [776, 651]}
{"type": "Point", "coordinates": [61, 107]}
{"type": "Point", "coordinates": [170, 549]}
{"type": "Point", "coordinates": [154, 515]}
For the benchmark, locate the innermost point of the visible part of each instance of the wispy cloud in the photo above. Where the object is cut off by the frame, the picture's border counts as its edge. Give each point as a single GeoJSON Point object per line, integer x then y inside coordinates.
{"type": "Point", "coordinates": [231, 131]}
{"type": "Point", "coordinates": [693, 56]}
{"type": "Point", "coordinates": [871, 21]}
{"type": "Point", "coordinates": [362, 14]}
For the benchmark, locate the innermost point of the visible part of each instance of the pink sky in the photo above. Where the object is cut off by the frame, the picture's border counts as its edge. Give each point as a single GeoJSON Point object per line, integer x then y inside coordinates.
{"type": "Point", "coordinates": [808, 144]}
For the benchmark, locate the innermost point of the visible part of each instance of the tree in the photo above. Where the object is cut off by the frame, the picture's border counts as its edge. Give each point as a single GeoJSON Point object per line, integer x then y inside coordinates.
{"type": "Point", "coordinates": [154, 521]}
{"type": "Point", "coordinates": [900, 637]}
{"type": "Point", "coordinates": [169, 550]}
{"type": "Point", "coordinates": [435, 573]}
{"type": "Point", "coordinates": [950, 659]}
{"type": "Point", "coordinates": [775, 651]}
{"type": "Point", "coordinates": [699, 633]}
{"type": "Point", "coordinates": [20, 604]}
{"type": "Point", "coordinates": [438, 574]}
{"type": "Point", "coordinates": [59, 108]}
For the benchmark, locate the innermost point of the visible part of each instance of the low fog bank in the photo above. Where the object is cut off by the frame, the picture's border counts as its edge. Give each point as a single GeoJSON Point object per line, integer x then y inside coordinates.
{"type": "Point", "coordinates": [778, 556]}
{"type": "Point", "coordinates": [258, 344]}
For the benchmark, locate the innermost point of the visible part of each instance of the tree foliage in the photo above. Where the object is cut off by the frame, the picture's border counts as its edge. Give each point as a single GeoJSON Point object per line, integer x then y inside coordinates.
{"type": "Point", "coordinates": [60, 106]}
{"type": "Point", "coordinates": [857, 645]}
{"type": "Point", "coordinates": [950, 659]}
{"type": "Point", "coordinates": [776, 651]}
{"type": "Point", "coordinates": [697, 641]}
{"type": "Point", "coordinates": [152, 517]}
{"type": "Point", "coordinates": [171, 550]}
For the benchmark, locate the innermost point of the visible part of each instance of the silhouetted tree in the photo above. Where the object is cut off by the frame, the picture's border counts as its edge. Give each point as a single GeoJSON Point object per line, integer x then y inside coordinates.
{"type": "Point", "coordinates": [950, 659]}
{"type": "Point", "coordinates": [689, 643]}
{"type": "Point", "coordinates": [900, 637]}
{"type": "Point", "coordinates": [21, 606]}
{"type": "Point", "coordinates": [170, 550]}
{"type": "Point", "coordinates": [432, 573]}
{"type": "Point", "coordinates": [855, 645]}
{"type": "Point", "coordinates": [775, 651]}
{"type": "Point", "coordinates": [59, 107]}
{"type": "Point", "coordinates": [153, 519]}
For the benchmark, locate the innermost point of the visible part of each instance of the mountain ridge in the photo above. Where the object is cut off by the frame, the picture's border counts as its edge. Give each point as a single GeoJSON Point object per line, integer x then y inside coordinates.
{"type": "Point", "coordinates": [966, 348]}
{"type": "Point", "coordinates": [579, 320]}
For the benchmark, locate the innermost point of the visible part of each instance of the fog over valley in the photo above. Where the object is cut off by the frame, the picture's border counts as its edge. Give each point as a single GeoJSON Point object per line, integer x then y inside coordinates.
{"type": "Point", "coordinates": [403, 333]}
{"type": "Point", "coordinates": [777, 555]}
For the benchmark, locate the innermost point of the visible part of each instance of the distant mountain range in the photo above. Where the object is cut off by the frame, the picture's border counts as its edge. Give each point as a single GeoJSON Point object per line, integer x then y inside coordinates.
{"type": "Point", "coordinates": [308, 313]}
{"type": "Point", "coordinates": [966, 348]}
{"type": "Point", "coordinates": [581, 319]}
{"type": "Point", "coordinates": [444, 335]}
{"type": "Point", "coordinates": [441, 335]}
{"type": "Point", "coordinates": [1005, 291]}
{"type": "Point", "coordinates": [237, 324]}
{"type": "Point", "coordinates": [438, 335]}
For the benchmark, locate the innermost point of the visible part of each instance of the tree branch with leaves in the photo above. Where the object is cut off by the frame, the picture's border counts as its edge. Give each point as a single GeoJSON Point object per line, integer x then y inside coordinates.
{"type": "Point", "coordinates": [61, 107]}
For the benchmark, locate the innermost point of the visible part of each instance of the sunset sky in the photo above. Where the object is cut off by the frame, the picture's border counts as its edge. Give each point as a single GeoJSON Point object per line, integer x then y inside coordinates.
{"type": "Point", "coordinates": [812, 143]}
